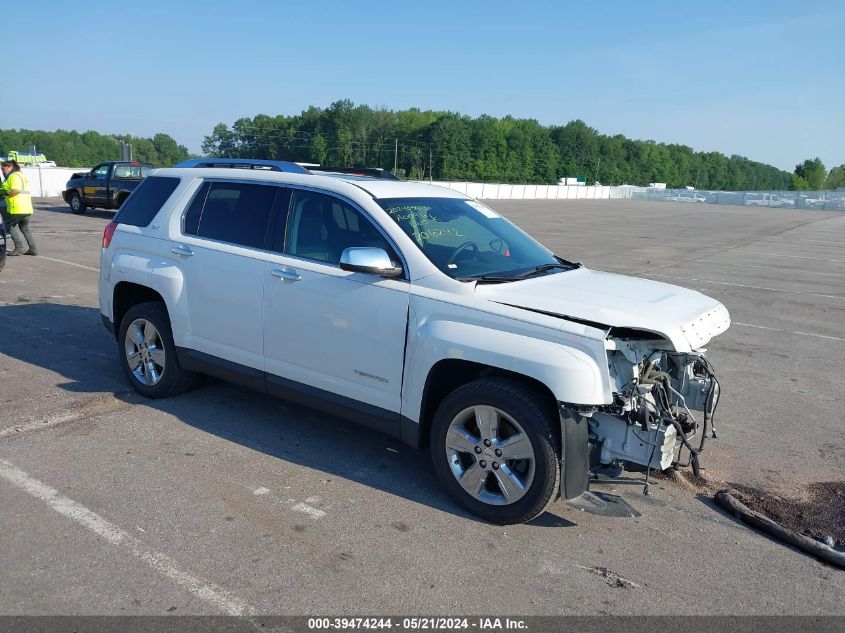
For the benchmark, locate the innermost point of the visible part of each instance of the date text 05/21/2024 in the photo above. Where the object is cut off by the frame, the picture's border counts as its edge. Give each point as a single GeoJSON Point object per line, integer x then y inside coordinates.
{"type": "Point", "coordinates": [417, 623]}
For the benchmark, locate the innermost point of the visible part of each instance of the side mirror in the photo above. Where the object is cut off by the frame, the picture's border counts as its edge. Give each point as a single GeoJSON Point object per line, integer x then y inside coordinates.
{"type": "Point", "coordinates": [373, 261]}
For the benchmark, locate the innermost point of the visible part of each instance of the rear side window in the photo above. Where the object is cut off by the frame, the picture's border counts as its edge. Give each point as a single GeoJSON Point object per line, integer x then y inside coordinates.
{"type": "Point", "coordinates": [146, 200]}
{"type": "Point", "coordinates": [232, 212]}
{"type": "Point", "coordinates": [131, 171]}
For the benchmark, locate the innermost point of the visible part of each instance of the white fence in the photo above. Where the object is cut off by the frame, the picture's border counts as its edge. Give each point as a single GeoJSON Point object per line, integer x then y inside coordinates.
{"type": "Point", "coordinates": [49, 182]}
{"type": "Point", "coordinates": [820, 200]}
{"type": "Point", "coordinates": [494, 191]}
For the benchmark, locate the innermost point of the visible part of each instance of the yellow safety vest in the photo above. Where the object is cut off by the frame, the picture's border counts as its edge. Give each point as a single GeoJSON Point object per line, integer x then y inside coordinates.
{"type": "Point", "coordinates": [20, 204]}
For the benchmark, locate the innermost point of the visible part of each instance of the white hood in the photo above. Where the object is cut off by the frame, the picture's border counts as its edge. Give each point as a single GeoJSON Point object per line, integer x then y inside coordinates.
{"type": "Point", "coordinates": [688, 319]}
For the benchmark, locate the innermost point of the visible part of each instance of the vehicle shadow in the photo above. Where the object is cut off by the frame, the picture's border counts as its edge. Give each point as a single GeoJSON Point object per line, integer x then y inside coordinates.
{"type": "Point", "coordinates": [71, 342]}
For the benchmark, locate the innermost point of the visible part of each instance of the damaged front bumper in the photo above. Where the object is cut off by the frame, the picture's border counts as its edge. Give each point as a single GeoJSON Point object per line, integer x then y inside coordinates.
{"type": "Point", "coordinates": [663, 406]}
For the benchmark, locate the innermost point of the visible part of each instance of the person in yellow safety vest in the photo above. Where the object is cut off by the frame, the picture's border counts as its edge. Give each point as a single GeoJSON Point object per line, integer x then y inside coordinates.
{"type": "Point", "coordinates": [15, 189]}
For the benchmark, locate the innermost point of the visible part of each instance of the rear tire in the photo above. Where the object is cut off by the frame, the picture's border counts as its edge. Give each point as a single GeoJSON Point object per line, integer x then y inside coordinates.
{"type": "Point", "coordinates": [148, 354]}
{"type": "Point", "coordinates": [496, 451]}
{"type": "Point", "coordinates": [77, 206]}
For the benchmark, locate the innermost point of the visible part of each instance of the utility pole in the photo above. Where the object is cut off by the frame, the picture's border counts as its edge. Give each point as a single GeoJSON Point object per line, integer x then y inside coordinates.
{"type": "Point", "coordinates": [396, 155]}
{"type": "Point", "coordinates": [596, 179]}
{"type": "Point", "coordinates": [430, 178]}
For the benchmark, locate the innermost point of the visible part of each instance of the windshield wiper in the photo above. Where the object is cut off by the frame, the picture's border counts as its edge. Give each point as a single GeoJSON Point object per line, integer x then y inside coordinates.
{"type": "Point", "coordinates": [492, 279]}
{"type": "Point", "coordinates": [489, 279]}
{"type": "Point", "coordinates": [562, 264]}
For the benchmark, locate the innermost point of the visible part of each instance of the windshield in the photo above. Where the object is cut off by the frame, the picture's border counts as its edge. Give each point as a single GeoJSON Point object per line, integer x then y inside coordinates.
{"type": "Point", "coordinates": [468, 240]}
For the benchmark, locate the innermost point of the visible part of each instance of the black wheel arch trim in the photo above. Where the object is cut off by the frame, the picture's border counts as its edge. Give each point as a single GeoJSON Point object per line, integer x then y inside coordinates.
{"type": "Point", "coordinates": [574, 453]}
{"type": "Point", "coordinates": [107, 323]}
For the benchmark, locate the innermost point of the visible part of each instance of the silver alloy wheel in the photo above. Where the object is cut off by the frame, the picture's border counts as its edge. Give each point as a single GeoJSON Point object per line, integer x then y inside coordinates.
{"type": "Point", "coordinates": [144, 352]}
{"type": "Point", "coordinates": [75, 203]}
{"type": "Point", "coordinates": [490, 455]}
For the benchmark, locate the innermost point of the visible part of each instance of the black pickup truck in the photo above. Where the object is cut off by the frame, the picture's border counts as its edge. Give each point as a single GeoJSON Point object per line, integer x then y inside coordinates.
{"type": "Point", "coordinates": [106, 186]}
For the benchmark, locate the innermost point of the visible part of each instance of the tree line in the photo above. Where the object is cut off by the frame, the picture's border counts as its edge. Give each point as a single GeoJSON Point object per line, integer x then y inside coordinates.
{"type": "Point", "coordinates": [451, 146]}
{"type": "Point", "coordinates": [812, 175]}
{"type": "Point", "coordinates": [445, 146]}
{"type": "Point", "coordinates": [83, 149]}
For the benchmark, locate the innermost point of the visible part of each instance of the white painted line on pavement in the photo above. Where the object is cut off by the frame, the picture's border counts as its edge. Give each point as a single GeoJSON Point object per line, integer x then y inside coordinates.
{"type": "Point", "coordinates": [832, 338]}
{"type": "Point", "coordinates": [314, 513]}
{"type": "Point", "coordinates": [809, 272]}
{"type": "Point", "coordinates": [815, 259]}
{"type": "Point", "coordinates": [759, 327]}
{"type": "Point", "coordinates": [166, 566]}
{"type": "Point", "coordinates": [774, 329]}
{"type": "Point", "coordinates": [61, 261]}
{"type": "Point", "coordinates": [260, 491]}
{"type": "Point", "coordinates": [728, 283]}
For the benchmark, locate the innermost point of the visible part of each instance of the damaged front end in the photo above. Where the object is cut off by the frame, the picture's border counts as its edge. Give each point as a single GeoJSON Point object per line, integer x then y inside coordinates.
{"type": "Point", "coordinates": [663, 404]}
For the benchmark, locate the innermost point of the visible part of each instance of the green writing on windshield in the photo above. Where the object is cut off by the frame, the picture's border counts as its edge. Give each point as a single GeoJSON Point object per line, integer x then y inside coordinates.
{"type": "Point", "coordinates": [423, 224]}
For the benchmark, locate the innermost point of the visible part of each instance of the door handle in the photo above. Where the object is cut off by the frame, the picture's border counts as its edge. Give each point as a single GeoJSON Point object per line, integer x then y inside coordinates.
{"type": "Point", "coordinates": [184, 251]}
{"type": "Point", "coordinates": [286, 275]}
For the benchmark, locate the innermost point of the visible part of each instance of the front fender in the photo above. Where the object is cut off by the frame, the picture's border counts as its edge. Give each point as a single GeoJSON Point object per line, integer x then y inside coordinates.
{"type": "Point", "coordinates": [569, 368]}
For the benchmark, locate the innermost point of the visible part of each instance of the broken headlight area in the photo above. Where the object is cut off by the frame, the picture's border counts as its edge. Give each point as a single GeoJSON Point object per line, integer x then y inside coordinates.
{"type": "Point", "coordinates": [663, 405]}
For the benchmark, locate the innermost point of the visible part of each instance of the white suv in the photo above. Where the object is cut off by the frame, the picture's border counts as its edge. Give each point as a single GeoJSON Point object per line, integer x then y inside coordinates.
{"type": "Point", "coordinates": [415, 310]}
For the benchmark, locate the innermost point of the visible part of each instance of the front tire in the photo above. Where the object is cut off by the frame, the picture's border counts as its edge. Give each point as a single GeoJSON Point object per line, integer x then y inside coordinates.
{"type": "Point", "coordinates": [495, 449]}
{"type": "Point", "coordinates": [148, 354]}
{"type": "Point", "coordinates": [77, 206]}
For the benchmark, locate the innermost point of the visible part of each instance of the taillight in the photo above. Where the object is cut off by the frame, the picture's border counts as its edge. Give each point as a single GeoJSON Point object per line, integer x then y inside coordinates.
{"type": "Point", "coordinates": [108, 232]}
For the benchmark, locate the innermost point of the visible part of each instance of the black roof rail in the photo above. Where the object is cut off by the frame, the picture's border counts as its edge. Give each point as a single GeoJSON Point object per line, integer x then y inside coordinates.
{"type": "Point", "coordinates": [245, 163]}
{"type": "Point", "coordinates": [373, 172]}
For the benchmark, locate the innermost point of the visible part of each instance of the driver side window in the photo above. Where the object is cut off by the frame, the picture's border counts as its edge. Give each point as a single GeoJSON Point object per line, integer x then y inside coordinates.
{"type": "Point", "coordinates": [319, 227]}
{"type": "Point", "coordinates": [101, 172]}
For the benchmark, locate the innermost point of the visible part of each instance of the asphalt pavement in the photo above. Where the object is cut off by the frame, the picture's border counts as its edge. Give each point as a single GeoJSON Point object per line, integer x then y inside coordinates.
{"type": "Point", "coordinates": [225, 501]}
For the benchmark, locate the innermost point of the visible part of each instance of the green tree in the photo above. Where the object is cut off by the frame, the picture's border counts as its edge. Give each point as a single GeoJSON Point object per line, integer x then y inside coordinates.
{"type": "Point", "coordinates": [482, 149]}
{"type": "Point", "coordinates": [319, 149]}
{"type": "Point", "coordinates": [451, 136]}
{"type": "Point", "coordinates": [168, 151]}
{"type": "Point", "coordinates": [220, 143]}
{"type": "Point", "coordinates": [836, 178]}
{"type": "Point", "coordinates": [813, 172]}
{"type": "Point", "coordinates": [797, 183]}
{"type": "Point", "coordinates": [75, 149]}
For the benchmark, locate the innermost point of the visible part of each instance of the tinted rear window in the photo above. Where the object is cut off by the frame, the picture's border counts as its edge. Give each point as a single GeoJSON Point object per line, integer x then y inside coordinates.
{"type": "Point", "coordinates": [146, 200]}
{"type": "Point", "coordinates": [237, 213]}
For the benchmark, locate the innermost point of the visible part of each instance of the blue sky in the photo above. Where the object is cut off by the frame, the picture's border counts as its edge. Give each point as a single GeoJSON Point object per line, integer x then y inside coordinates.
{"type": "Point", "coordinates": [762, 79]}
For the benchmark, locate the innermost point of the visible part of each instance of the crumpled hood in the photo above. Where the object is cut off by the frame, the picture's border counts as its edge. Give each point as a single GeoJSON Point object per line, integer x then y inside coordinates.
{"type": "Point", "coordinates": [687, 318]}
